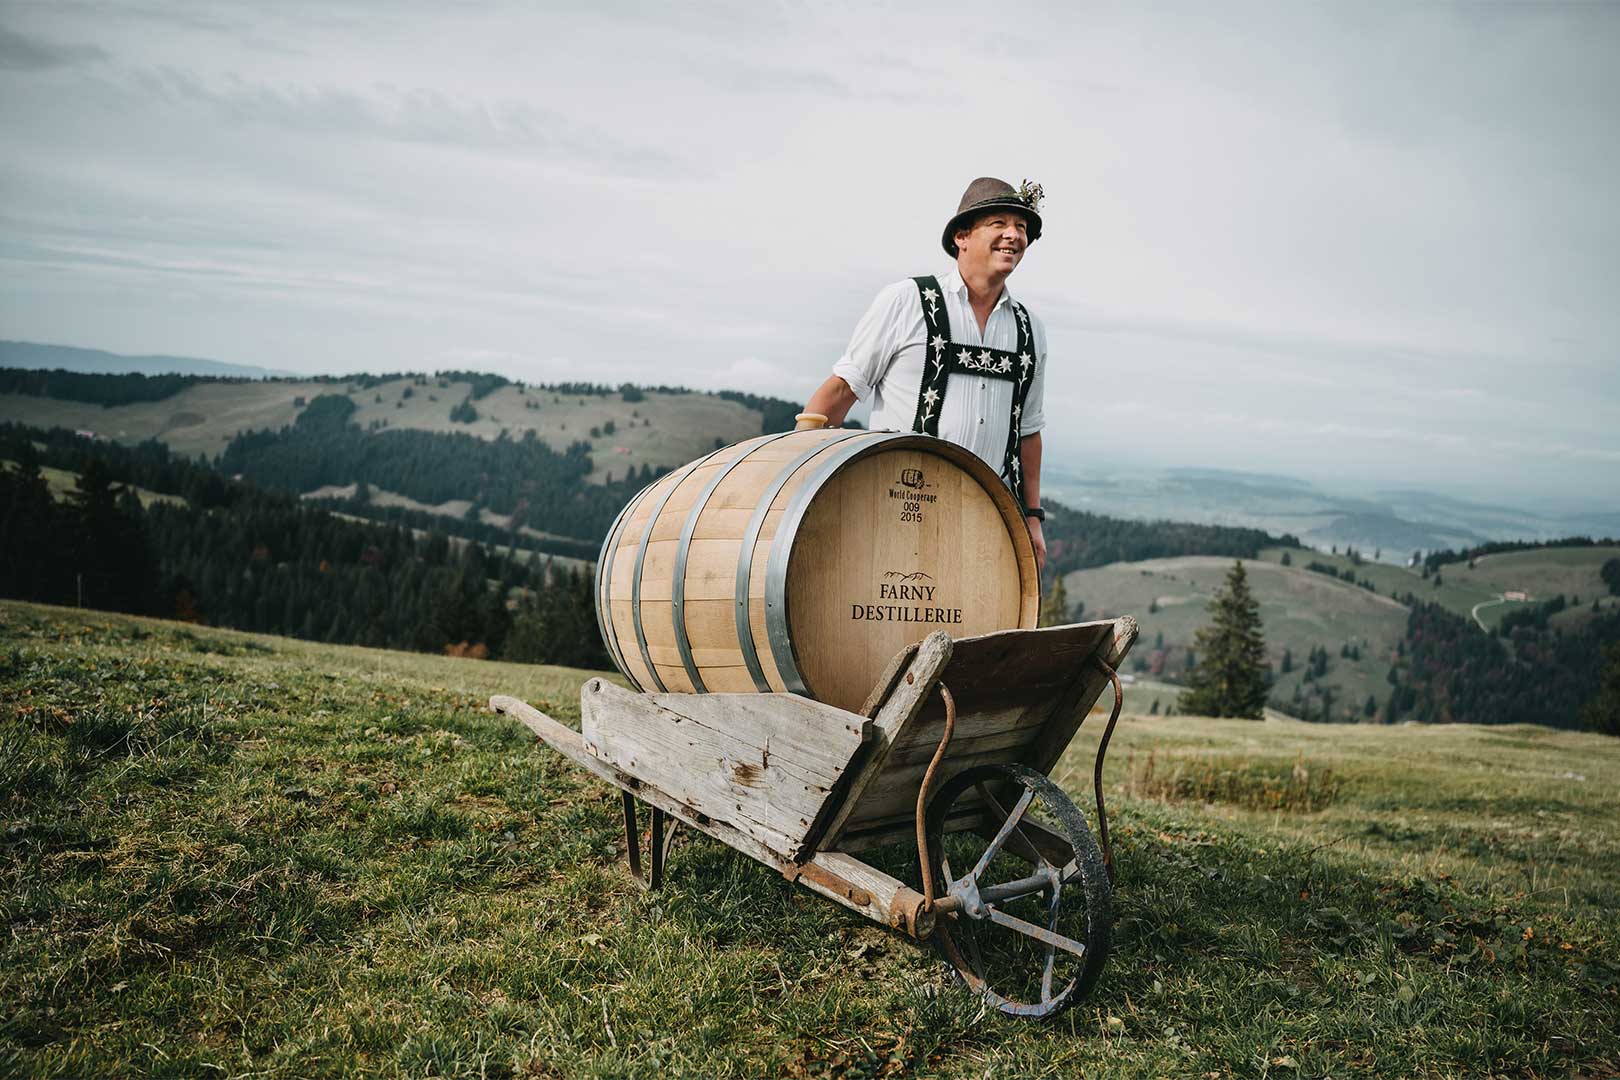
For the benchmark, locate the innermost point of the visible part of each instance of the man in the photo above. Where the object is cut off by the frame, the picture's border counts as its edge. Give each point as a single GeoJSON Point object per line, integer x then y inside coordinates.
{"type": "Point", "coordinates": [956, 356]}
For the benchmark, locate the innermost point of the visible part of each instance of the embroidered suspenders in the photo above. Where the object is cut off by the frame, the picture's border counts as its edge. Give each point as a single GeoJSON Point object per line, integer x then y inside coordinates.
{"type": "Point", "coordinates": [945, 357]}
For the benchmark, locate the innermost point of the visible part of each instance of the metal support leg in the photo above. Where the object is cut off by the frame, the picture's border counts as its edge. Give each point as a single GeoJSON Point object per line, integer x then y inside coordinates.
{"type": "Point", "coordinates": [632, 835]}
{"type": "Point", "coordinates": [662, 838]}
{"type": "Point", "coordinates": [657, 849]}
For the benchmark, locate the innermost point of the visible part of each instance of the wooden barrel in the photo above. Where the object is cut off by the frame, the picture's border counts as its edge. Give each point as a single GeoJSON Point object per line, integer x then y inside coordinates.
{"type": "Point", "coordinates": [802, 562]}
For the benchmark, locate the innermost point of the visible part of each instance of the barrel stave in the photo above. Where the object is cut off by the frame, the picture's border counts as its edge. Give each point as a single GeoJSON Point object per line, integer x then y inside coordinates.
{"type": "Point", "coordinates": [705, 520]}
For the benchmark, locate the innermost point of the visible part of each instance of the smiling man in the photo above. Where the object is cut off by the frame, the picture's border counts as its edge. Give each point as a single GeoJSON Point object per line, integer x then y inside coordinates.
{"type": "Point", "coordinates": [956, 356]}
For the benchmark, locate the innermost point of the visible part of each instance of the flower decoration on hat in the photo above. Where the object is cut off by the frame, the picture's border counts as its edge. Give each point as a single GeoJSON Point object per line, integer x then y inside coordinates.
{"type": "Point", "coordinates": [1030, 195]}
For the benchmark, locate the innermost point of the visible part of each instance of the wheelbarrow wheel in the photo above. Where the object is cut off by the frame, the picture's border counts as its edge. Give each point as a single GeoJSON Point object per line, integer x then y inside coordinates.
{"type": "Point", "coordinates": [1027, 915]}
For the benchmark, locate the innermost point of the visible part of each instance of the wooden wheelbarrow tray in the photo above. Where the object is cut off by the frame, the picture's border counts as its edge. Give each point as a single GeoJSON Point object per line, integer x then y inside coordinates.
{"type": "Point", "coordinates": [802, 786]}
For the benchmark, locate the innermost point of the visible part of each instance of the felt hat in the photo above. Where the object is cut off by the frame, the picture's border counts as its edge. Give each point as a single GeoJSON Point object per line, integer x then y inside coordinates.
{"type": "Point", "coordinates": [988, 193]}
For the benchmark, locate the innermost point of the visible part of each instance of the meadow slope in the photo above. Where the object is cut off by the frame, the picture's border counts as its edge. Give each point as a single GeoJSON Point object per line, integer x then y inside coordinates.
{"type": "Point", "coordinates": [663, 430]}
{"type": "Point", "coordinates": [1301, 609]}
{"type": "Point", "coordinates": [231, 855]}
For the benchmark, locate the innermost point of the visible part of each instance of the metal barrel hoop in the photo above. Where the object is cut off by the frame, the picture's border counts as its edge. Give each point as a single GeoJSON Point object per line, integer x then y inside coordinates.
{"type": "Point", "coordinates": [680, 477]}
{"type": "Point", "coordinates": [776, 613]}
{"type": "Point", "coordinates": [604, 577]}
{"type": "Point", "coordinates": [745, 557]}
{"type": "Point", "coordinates": [688, 529]}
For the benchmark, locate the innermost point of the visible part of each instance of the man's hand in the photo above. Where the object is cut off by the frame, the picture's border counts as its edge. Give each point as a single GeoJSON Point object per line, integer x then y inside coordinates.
{"type": "Point", "coordinates": [1038, 536]}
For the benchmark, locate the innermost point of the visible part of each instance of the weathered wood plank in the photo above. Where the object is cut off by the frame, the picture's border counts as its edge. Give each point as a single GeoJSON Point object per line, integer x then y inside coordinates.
{"type": "Point", "coordinates": [1012, 659]}
{"type": "Point", "coordinates": [569, 743]}
{"type": "Point", "coordinates": [886, 681]}
{"type": "Point", "coordinates": [1036, 684]}
{"type": "Point", "coordinates": [835, 875]}
{"type": "Point", "coordinates": [1071, 710]}
{"type": "Point", "coordinates": [766, 765]}
{"type": "Point", "coordinates": [805, 734]}
{"type": "Point", "coordinates": [975, 719]}
{"type": "Point", "coordinates": [864, 889]}
{"type": "Point", "coordinates": [910, 693]}
{"type": "Point", "coordinates": [897, 793]}
{"type": "Point", "coordinates": [921, 751]}
{"type": "Point", "coordinates": [969, 813]}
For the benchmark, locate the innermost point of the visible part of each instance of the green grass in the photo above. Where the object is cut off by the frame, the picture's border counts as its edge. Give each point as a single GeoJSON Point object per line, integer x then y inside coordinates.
{"type": "Point", "coordinates": [229, 855]}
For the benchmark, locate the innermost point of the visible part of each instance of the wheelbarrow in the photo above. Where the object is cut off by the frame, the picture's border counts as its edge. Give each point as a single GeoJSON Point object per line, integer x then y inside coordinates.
{"type": "Point", "coordinates": [952, 752]}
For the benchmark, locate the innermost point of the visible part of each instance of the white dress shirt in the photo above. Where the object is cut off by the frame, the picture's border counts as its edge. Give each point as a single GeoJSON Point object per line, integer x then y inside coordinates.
{"type": "Point", "coordinates": [885, 360]}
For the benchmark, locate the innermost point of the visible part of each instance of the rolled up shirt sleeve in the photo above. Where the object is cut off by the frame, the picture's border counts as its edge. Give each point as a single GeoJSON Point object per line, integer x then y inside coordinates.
{"type": "Point", "coordinates": [1033, 418]}
{"type": "Point", "coordinates": [876, 339]}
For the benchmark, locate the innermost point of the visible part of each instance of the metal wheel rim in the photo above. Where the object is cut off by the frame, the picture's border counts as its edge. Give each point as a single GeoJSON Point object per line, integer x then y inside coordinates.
{"type": "Point", "coordinates": [1086, 870]}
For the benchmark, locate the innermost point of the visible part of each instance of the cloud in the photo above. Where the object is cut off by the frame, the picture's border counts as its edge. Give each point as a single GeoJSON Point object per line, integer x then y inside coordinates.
{"type": "Point", "coordinates": [18, 52]}
{"type": "Point", "coordinates": [1280, 237]}
{"type": "Point", "coordinates": [406, 115]}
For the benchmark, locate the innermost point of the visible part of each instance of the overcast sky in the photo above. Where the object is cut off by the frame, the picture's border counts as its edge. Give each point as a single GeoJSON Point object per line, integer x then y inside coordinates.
{"type": "Point", "coordinates": [1376, 244]}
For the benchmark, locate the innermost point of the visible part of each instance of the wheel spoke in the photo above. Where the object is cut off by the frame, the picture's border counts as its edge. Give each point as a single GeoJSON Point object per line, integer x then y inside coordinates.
{"type": "Point", "coordinates": [1039, 933]}
{"type": "Point", "coordinates": [1028, 851]}
{"type": "Point", "coordinates": [1001, 835]}
{"type": "Point", "coordinates": [1052, 910]}
{"type": "Point", "coordinates": [995, 953]}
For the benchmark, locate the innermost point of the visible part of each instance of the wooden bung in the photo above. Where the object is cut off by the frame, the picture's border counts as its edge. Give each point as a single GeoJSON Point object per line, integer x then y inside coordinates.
{"type": "Point", "coordinates": [802, 562]}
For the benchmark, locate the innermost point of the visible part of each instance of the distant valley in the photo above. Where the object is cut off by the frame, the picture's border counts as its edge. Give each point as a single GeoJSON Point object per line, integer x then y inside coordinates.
{"type": "Point", "coordinates": [1387, 526]}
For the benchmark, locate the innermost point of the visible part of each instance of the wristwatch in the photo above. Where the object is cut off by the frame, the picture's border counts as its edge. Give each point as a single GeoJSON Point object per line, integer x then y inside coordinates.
{"type": "Point", "coordinates": [1036, 512]}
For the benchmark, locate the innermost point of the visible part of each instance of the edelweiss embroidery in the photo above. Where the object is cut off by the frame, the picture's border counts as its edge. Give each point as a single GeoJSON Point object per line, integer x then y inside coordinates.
{"type": "Point", "coordinates": [944, 357]}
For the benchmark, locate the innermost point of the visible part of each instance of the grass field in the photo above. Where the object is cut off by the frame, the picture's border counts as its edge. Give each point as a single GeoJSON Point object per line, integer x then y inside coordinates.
{"type": "Point", "coordinates": [229, 855]}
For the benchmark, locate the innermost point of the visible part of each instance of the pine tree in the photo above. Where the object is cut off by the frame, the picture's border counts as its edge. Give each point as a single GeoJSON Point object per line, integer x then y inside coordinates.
{"type": "Point", "coordinates": [1055, 605]}
{"type": "Point", "coordinates": [1602, 713]}
{"type": "Point", "coordinates": [1230, 679]}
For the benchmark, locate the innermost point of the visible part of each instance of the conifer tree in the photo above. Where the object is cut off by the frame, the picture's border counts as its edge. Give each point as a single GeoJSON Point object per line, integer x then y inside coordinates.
{"type": "Point", "coordinates": [1055, 605]}
{"type": "Point", "coordinates": [1230, 679]}
{"type": "Point", "coordinates": [1602, 713]}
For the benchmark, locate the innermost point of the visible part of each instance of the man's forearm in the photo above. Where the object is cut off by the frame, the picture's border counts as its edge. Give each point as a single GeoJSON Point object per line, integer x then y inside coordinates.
{"type": "Point", "coordinates": [832, 399]}
{"type": "Point", "coordinates": [1029, 456]}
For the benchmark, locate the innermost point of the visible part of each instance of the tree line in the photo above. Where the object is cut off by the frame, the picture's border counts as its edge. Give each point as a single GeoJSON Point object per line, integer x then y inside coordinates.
{"type": "Point", "coordinates": [1078, 539]}
{"type": "Point", "coordinates": [1436, 559]}
{"type": "Point", "coordinates": [264, 561]}
{"type": "Point", "coordinates": [103, 390]}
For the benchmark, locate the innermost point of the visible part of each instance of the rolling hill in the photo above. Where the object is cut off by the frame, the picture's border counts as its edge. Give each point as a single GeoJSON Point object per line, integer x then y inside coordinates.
{"type": "Point", "coordinates": [662, 430]}
{"type": "Point", "coordinates": [1303, 610]}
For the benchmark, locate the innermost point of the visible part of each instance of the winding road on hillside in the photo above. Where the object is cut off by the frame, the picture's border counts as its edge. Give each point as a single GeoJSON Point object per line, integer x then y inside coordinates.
{"type": "Point", "coordinates": [1483, 604]}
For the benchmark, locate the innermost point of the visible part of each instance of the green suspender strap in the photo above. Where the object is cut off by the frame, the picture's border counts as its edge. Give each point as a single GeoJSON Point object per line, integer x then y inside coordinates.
{"type": "Point", "coordinates": [944, 357]}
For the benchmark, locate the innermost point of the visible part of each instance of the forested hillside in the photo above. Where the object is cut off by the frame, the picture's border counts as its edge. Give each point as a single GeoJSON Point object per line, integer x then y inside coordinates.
{"type": "Point", "coordinates": [234, 555]}
{"type": "Point", "coordinates": [1450, 672]}
{"type": "Point", "coordinates": [103, 390]}
{"type": "Point", "coordinates": [1076, 539]}
{"type": "Point", "coordinates": [524, 479]}
{"type": "Point", "coordinates": [1342, 646]}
